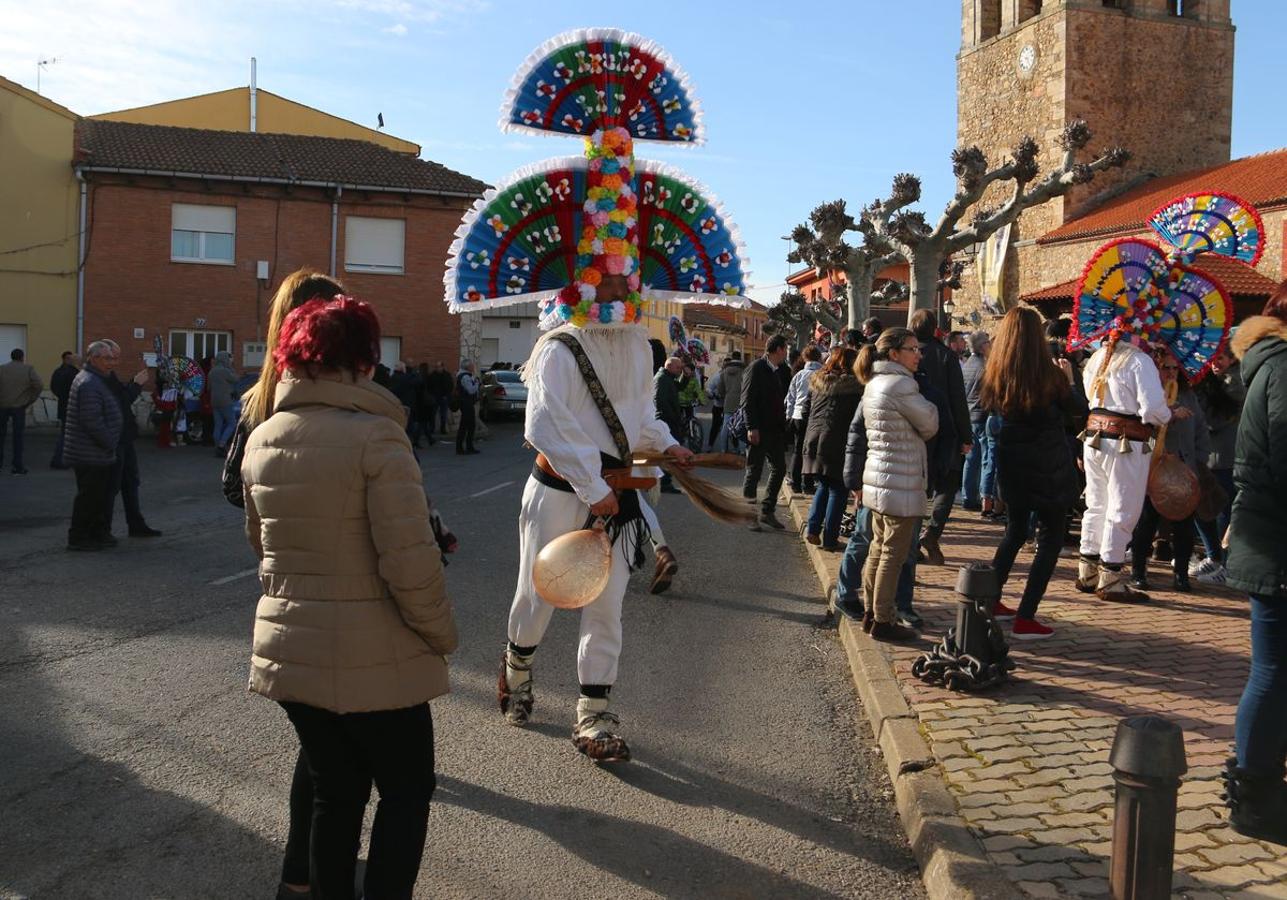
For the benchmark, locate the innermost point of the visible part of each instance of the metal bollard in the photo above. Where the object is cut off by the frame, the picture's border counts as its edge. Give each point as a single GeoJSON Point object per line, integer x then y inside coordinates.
{"type": "Point", "coordinates": [973, 655]}
{"type": "Point", "coordinates": [1148, 760]}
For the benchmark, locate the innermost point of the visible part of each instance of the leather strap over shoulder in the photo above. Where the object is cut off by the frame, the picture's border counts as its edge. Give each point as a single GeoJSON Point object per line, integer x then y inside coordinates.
{"type": "Point", "coordinates": [597, 393]}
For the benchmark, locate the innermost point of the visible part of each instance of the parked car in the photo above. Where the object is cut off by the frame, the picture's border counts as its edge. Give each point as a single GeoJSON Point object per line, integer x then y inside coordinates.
{"type": "Point", "coordinates": [502, 391]}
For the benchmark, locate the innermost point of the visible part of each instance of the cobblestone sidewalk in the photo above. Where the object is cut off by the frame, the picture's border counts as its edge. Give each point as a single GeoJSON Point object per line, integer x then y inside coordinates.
{"type": "Point", "coordinates": [1027, 762]}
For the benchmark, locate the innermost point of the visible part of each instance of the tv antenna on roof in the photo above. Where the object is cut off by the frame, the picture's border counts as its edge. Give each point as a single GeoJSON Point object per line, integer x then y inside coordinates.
{"type": "Point", "coordinates": [41, 64]}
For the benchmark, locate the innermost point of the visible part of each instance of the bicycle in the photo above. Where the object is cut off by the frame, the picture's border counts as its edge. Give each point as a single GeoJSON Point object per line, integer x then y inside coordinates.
{"type": "Point", "coordinates": [693, 438]}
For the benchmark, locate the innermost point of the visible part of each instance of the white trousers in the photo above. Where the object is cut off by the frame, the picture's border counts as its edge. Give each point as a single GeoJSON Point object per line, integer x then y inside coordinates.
{"type": "Point", "coordinates": [1116, 484]}
{"type": "Point", "coordinates": [547, 514]}
{"type": "Point", "coordinates": [654, 524]}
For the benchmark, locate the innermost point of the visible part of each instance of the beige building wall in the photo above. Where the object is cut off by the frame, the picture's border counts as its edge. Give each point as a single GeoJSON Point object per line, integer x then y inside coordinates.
{"type": "Point", "coordinates": [230, 111]}
{"type": "Point", "coordinates": [39, 224]}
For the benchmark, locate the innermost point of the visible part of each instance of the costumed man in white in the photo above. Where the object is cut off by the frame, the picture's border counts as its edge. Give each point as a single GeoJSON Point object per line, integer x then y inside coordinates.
{"type": "Point", "coordinates": [571, 235]}
{"type": "Point", "coordinates": [1128, 402]}
{"type": "Point", "coordinates": [565, 425]}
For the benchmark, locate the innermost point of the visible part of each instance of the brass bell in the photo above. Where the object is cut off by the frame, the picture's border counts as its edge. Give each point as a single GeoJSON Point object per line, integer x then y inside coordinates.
{"type": "Point", "coordinates": [1093, 443]}
{"type": "Point", "coordinates": [1148, 446]}
{"type": "Point", "coordinates": [1082, 435]}
{"type": "Point", "coordinates": [1124, 446]}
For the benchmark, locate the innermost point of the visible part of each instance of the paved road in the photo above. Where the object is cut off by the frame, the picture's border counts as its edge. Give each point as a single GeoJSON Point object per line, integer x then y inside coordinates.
{"type": "Point", "coordinates": [134, 764]}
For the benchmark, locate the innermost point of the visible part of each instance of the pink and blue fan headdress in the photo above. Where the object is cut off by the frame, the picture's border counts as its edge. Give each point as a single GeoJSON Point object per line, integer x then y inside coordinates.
{"type": "Point", "coordinates": [552, 231]}
{"type": "Point", "coordinates": [1147, 293]}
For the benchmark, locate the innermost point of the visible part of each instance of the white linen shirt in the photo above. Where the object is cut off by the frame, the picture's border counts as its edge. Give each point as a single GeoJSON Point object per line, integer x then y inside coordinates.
{"type": "Point", "coordinates": [1133, 386]}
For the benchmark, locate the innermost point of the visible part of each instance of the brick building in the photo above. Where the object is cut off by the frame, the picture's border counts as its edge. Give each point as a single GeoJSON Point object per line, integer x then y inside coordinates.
{"type": "Point", "coordinates": [1027, 67]}
{"type": "Point", "coordinates": [189, 232]}
{"type": "Point", "coordinates": [815, 287]}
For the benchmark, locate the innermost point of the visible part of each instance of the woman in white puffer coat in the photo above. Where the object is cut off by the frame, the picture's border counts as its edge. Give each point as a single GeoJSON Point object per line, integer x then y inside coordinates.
{"type": "Point", "coordinates": [899, 422]}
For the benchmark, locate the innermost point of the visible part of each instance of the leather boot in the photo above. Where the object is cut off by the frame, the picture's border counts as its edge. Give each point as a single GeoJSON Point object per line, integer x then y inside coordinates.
{"type": "Point", "coordinates": [1257, 804]}
{"type": "Point", "coordinates": [667, 566]}
{"type": "Point", "coordinates": [892, 631]}
{"type": "Point", "coordinates": [929, 543]}
{"type": "Point", "coordinates": [1087, 574]}
{"type": "Point", "coordinates": [1113, 587]}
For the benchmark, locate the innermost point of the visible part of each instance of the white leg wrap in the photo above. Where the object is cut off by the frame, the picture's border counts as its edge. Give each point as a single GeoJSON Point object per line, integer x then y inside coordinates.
{"type": "Point", "coordinates": [1116, 484]}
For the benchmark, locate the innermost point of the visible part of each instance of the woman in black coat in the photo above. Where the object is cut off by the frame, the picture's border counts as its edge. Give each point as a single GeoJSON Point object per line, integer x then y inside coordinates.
{"type": "Point", "coordinates": [1257, 564]}
{"type": "Point", "coordinates": [834, 395]}
{"type": "Point", "coordinates": [1036, 473]}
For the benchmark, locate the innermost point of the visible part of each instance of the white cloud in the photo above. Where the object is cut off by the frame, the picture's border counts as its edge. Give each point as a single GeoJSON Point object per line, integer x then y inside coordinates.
{"type": "Point", "coordinates": [398, 30]}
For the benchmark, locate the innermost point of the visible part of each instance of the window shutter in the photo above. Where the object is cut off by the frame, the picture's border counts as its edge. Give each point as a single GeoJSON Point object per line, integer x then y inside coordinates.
{"type": "Point", "coordinates": [216, 219]}
{"type": "Point", "coordinates": [374, 245]}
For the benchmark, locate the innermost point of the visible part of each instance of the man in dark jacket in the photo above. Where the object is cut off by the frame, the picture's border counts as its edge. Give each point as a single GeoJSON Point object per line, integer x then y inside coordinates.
{"type": "Point", "coordinates": [942, 369]}
{"type": "Point", "coordinates": [439, 390]}
{"type": "Point", "coordinates": [763, 403]}
{"type": "Point", "coordinates": [60, 383]}
{"type": "Point", "coordinates": [93, 432]}
{"type": "Point", "coordinates": [665, 396]}
{"type": "Point", "coordinates": [125, 471]}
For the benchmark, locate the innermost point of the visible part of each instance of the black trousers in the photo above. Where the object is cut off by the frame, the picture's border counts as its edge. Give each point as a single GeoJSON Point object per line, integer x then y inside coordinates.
{"type": "Point", "coordinates": [799, 428]}
{"type": "Point", "coordinates": [1053, 521]}
{"type": "Point", "coordinates": [465, 432]}
{"type": "Point", "coordinates": [1142, 541]}
{"type": "Point", "coordinates": [945, 495]}
{"type": "Point", "coordinates": [125, 481]}
{"type": "Point", "coordinates": [93, 500]}
{"type": "Point", "coordinates": [770, 449]}
{"type": "Point", "coordinates": [343, 755]}
{"type": "Point", "coordinates": [717, 422]}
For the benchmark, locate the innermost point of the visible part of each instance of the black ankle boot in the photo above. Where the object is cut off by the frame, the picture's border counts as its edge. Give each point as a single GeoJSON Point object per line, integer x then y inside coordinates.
{"type": "Point", "coordinates": [1257, 804]}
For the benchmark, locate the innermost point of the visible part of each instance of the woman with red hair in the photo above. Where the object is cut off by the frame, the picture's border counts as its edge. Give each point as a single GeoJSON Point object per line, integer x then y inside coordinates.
{"type": "Point", "coordinates": [354, 625]}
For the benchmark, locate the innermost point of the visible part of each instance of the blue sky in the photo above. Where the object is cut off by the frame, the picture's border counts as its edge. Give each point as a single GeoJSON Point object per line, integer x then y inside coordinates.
{"type": "Point", "coordinates": [797, 98]}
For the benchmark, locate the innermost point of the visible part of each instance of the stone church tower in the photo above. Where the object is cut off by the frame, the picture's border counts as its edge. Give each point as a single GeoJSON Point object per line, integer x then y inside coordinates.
{"type": "Point", "coordinates": [1153, 76]}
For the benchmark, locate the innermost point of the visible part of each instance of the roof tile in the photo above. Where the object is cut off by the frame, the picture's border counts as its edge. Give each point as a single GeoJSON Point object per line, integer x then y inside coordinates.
{"type": "Point", "coordinates": [246, 155]}
{"type": "Point", "coordinates": [1261, 180]}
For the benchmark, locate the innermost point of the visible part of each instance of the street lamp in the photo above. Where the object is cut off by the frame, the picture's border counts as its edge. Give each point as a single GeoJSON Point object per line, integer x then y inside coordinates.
{"type": "Point", "coordinates": [790, 244]}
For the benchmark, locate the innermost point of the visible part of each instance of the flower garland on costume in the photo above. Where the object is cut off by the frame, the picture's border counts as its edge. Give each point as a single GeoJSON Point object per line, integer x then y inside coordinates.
{"type": "Point", "coordinates": [609, 243]}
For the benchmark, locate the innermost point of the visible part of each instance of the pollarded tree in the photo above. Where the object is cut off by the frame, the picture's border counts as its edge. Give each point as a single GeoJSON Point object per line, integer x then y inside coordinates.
{"type": "Point", "coordinates": [925, 248]}
{"type": "Point", "coordinates": [822, 244]}
{"type": "Point", "coordinates": [794, 316]}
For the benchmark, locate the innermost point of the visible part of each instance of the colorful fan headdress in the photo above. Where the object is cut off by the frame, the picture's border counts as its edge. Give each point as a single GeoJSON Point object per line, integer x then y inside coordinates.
{"type": "Point", "coordinates": [552, 231]}
{"type": "Point", "coordinates": [1134, 290]}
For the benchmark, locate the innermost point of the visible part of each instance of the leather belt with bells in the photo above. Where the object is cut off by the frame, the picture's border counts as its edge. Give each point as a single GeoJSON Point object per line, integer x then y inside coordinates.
{"type": "Point", "coordinates": [1113, 425]}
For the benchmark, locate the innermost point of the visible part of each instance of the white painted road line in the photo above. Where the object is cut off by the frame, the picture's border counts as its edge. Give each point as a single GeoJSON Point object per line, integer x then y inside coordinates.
{"type": "Point", "coordinates": [228, 579]}
{"type": "Point", "coordinates": [497, 487]}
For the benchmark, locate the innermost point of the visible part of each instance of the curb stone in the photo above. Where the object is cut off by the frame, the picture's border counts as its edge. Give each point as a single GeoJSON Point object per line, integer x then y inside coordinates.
{"type": "Point", "coordinates": [954, 865]}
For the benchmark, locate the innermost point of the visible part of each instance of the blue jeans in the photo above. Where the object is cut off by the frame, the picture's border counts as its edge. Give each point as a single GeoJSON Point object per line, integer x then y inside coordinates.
{"type": "Point", "coordinates": [19, 416]}
{"type": "Point", "coordinates": [225, 423]}
{"type": "Point", "coordinates": [829, 500]}
{"type": "Point", "coordinates": [849, 580]}
{"type": "Point", "coordinates": [973, 475]}
{"type": "Point", "coordinates": [1260, 730]}
{"type": "Point", "coordinates": [988, 477]}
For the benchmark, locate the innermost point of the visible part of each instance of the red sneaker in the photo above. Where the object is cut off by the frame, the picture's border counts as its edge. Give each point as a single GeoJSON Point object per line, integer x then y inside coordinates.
{"type": "Point", "coordinates": [1001, 612]}
{"type": "Point", "coordinates": [1030, 630]}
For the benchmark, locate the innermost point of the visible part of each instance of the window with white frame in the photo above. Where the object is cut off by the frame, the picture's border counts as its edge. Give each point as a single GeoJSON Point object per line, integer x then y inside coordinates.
{"type": "Point", "coordinates": [199, 344]}
{"type": "Point", "coordinates": [390, 349]}
{"type": "Point", "coordinates": [202, 234]}
{"type": "Point", "coordinates": [374, 245]}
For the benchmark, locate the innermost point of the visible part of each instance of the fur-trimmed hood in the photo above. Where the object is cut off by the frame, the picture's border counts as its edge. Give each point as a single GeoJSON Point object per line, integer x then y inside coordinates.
{"type": "Point", "coordinates": [1255, 329]}
{"type": "Point", "coordinates": [1258, 339]}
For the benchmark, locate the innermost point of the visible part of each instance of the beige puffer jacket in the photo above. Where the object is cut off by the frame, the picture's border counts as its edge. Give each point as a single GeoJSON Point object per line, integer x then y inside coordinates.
{"type": "Point", "coordinates": [355, 615]}
{"type": "Point", "coordinates": [899, 422]}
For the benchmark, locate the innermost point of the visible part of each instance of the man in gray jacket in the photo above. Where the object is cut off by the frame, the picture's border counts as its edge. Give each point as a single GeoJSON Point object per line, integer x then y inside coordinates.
{"type": "Point", "coordinates": [20, 387]}
{"type": "Point", "coordinates": [94, 425]}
